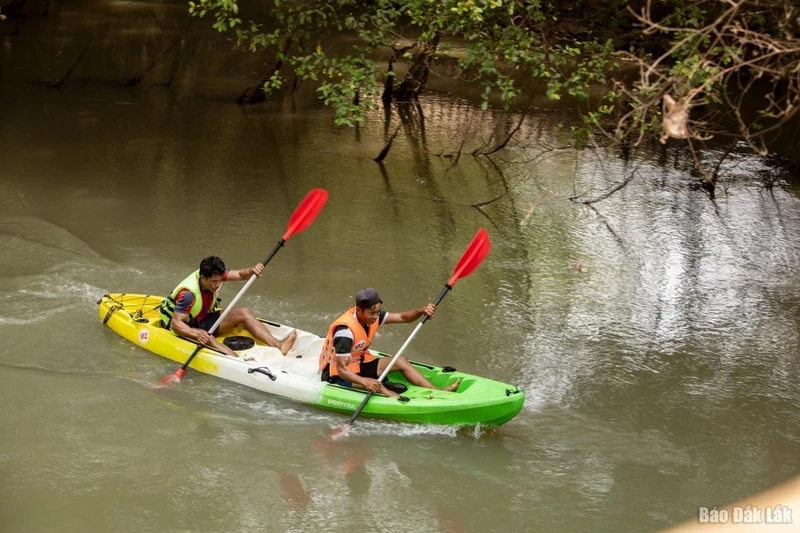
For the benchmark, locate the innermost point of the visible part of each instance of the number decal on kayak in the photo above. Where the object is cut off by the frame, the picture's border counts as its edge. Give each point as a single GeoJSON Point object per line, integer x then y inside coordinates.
{"type": "Point", "coordinates": [144, 336]}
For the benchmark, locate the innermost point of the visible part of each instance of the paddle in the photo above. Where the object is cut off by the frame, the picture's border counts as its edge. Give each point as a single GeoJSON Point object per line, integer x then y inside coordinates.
{"type": "Point", "coordinates": [469, 261]}
{"type": "Point", "coordinates": [302, 217]}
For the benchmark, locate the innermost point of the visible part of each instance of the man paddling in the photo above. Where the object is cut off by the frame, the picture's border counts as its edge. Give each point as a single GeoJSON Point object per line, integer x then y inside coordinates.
{"type": "Point", "coordinates": [191, 309]}
{"type": "Point", "coordinates": [345, 359]}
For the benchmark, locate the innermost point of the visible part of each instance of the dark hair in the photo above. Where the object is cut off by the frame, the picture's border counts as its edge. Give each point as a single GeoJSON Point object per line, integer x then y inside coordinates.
{"type": "Point", "coordinates": [212, 266]}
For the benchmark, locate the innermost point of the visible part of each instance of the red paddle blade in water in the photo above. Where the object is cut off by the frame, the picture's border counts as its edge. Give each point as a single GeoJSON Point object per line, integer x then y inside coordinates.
{"type": "Point", "coordinates": [172, 378]}
{"type": "Point", "coordinates": [472, 256]}
{"type": "Point", "coordinates": [306, 212]}
{"type": "Point", "coordinates": [340, 432]}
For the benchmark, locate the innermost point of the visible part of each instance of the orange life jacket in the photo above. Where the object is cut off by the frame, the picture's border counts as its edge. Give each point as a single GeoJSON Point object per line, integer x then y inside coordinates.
{"type": "Point", "coordinates": [361, 341]}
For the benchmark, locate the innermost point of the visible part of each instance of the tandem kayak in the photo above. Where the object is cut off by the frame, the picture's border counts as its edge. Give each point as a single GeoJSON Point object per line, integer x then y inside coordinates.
{"type": "Point", "coordinates": [296, 376]}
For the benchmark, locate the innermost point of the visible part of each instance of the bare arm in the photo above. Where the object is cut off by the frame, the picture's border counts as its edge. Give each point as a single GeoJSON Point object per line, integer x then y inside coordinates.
{"type": "Point", "coordinates": [344, 372]}
{"type": "Point", "coordinates": [372, 385]}
{"type": "Point", "coordinates": [410, 316]}
{"type": "Point", "coordinates": [200, 336]}
{"type": "Point", "coordinates": [180, 327]}
{"type": "Point", "coordinates": [244, 274]}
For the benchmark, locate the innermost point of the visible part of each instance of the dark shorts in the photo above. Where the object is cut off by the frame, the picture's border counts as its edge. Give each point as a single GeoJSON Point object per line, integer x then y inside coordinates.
{"type": "Point", "coordinates": [368, 370]}
{"type": "Point", "coordinates": [207, 321]}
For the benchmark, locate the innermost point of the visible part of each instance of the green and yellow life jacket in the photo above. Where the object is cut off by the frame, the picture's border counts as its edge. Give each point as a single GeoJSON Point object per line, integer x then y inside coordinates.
{"type": "Point", "coordinates": [192, 284]}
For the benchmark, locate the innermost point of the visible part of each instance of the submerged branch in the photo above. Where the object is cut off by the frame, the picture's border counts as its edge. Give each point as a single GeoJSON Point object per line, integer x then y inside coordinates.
{"type": "Point", "coordinates": [479, 205]}
{"type": "Point", "coordinates": [385, 151]}
{"type": "Point", "coordinates": [605, 195]}
{"type": "Point", "coordinates": [138, 78]}
{"type": "Point", "coordinates": [56, 84]}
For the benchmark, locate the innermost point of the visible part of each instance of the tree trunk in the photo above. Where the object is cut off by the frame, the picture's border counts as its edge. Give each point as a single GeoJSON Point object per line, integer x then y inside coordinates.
{"type": "Point", "coordinates": [255, 93]}
{"type": "Point", "coordinates": [388, 85]}
{"type": "Point", "coordinates": [417, 76]}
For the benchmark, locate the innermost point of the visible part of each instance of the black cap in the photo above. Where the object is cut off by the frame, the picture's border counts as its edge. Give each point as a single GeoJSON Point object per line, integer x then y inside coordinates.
{"type": "Point", "coordinates": [368, 297]}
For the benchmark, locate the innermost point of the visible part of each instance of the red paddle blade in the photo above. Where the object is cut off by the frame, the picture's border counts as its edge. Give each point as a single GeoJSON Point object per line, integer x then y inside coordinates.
{"type": "Point", "coordinates": [172, 378]}
{"type": "Point", "coordinates": [472, 256]}
{"type": "Point", "coordinates": [340, 432]}
{"type": "Point", "coordinates": [306, 212]}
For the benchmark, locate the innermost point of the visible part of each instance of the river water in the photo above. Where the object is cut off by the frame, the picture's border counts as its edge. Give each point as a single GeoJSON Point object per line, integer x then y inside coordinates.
{"type": "Point", "coordinates": [656, 336]}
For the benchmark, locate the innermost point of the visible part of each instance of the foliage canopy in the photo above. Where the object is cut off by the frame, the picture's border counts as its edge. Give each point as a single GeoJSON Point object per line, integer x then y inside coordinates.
{"type": "Point", "coordinates": [675, 67]}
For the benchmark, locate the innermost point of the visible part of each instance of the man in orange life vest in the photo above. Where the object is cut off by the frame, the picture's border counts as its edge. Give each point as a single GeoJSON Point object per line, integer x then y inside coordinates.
{"type": "Point", "coordinates": [346, 360]}
{"type": "Point", "coordinates": [191, 309]}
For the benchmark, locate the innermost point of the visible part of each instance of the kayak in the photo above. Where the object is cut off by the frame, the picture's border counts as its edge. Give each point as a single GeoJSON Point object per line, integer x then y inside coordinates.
{"type": "Point", "coordinates": [478, 400]}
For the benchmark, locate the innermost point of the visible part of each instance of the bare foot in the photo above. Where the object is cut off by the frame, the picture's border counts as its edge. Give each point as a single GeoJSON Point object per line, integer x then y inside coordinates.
{"type": "Point", "coordinates": [453, 386]}
{"type": "Point", "coordinates": [288, 342]}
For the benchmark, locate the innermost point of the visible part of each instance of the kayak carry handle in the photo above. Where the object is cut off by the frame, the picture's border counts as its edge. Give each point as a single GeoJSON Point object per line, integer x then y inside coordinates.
{"type": "Point", "coordinates": [262, 370]}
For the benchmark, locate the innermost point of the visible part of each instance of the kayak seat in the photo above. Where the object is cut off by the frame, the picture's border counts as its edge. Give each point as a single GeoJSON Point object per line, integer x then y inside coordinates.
{"type": "Point", "coordinates": [239, 343]}
{"type": "Point", "coordinates": [309, 346]}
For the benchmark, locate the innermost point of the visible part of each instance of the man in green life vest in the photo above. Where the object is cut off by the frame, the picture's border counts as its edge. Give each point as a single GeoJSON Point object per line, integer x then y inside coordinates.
{"type": "Point", "coordinates": [191, 310]}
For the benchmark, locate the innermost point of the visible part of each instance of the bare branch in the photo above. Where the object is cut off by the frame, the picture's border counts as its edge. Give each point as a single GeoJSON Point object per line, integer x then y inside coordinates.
{"type": "Point", "coordinates": [607, 194]}
{"type": "Point", "coordinates": [385, 151]}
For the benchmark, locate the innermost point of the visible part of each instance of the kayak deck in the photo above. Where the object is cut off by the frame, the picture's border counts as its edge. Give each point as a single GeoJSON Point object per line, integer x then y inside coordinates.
{"type": "Point", "coordinates": [478, 400]}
